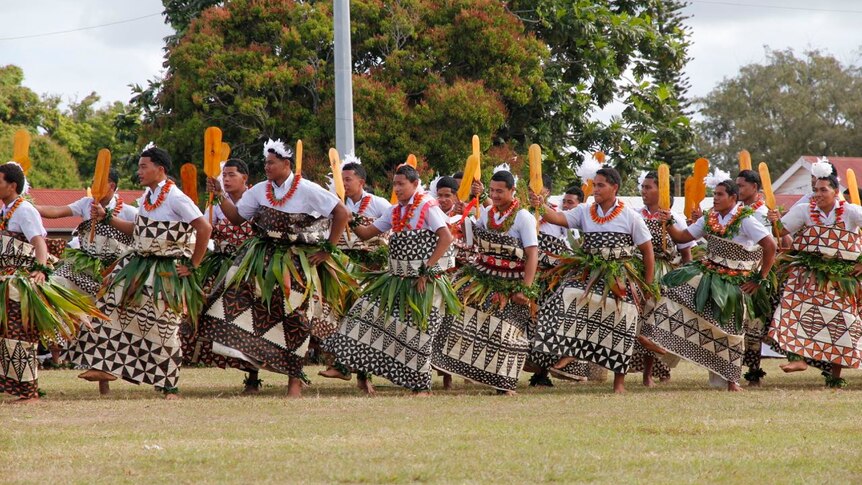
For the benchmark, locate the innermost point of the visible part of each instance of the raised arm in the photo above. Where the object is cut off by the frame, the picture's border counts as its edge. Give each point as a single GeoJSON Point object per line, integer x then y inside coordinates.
{"type": "Point", "coordinates": [54, 211]}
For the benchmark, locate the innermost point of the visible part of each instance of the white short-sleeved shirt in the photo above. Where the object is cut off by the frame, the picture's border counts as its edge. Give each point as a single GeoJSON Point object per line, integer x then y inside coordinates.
{"type": "Point", "coordinates": [218, 214]}
{"type": "Point", "coordinates": [678, 222]}
{"type": "Point", "coordinates": [25, 220]}
{"type": "Point", "coordinates": [376, 207]}
{"type": "Point", "coordinates": [523, 228]}
{"type": "Point", "coordinates": [81, 208]}
{"type": "Point", "coordinates": [799, 216]}
{"type": "Point", "coordinates": [761, 214]}
{"type": "Point", "coordinates": [434, 217]}
{"type": "Point", "coordinates": [751, 231]}
{"type": "Point", "coordinates": [627, 222]}
{"type": "Point", "coordinates": [176, 207]}
{"type": "Point", "coordinates": [553, 230]}
{"type": "Point", "coordinates": [309, 198]}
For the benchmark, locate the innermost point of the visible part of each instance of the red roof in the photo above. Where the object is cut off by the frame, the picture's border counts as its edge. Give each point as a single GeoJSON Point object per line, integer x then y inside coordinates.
{"type": "Point", "coordinates": [66, 197]}
{"type": "Point", "coordinates": [841, 164]}
{"type": "Point", "coordinates": [787, 200]}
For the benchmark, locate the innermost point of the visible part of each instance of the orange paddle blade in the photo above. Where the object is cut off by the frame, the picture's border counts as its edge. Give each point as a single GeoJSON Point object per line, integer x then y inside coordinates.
{"type": "Point", "coordinates": [664, 186]}
{"type": "Point", "coordinates": [21, 149]}
{"type": "Point", "coordinates": [852, 186]}
{"type": "Point", "coordinates": [701, 170]}
{"type": "Point", "coordinates": [189, 178]}
{"type": "Point", "coordinates": [600, 156]}
{"type": "Point", "coordinates": [766, 182]}
{"type": "Point", "coordinates": [588, 189]}
{"type": "Point", "coordinates": [212, 152]}
{"type": "Point", "coordinates": [297, 169]}
{"type": "Point", "coordinates": [744, 160]}
{"type": "Point", "coordinates": [100, 188]}
{"type": "Point", "coordinates": [535, 156]}
{"type": "Point", "coordinates": [225, 152]}
{"type": "Point", "coordinates": [689, 197]}
{"type": "Point", "coordinates": [471, 173]}
{"type": "Point", "coordinates": [337, 179]}
{"type": "Point", "coordinates": [477, 147]}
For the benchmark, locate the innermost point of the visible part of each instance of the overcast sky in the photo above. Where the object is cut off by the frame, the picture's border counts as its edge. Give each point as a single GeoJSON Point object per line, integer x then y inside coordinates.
{"type": "Point", "coordinates": [725, 35]}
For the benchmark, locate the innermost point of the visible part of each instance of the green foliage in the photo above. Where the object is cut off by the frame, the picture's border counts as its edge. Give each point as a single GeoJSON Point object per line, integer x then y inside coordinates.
{"type": "Point", "coordinates": [53, 165]}
{"type": "Point", "coordinates": [789, 106]}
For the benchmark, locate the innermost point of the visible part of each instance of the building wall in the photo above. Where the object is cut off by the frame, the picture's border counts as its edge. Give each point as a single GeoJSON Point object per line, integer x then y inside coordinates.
{"type": "Point", "coordinates": [798, 183]}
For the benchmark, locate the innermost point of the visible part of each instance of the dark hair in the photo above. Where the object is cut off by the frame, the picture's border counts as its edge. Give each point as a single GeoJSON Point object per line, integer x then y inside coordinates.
{"type": "Point", "coordinates": [458, 175]}
{"type": "Point", "coordinates": [356, 168]}
{"type": "Point", "coordinates": [611, 175]}
{"type": "Point", "coordinates": [447, 183]}
{"type": "Point", "coordinates": [833, 181]}
{"type": "Point", "coordinates": [729, 186]}
{"type": "Point", "coordinates": [751, 177]}
{"type": "Point", "coordinates": [504, 176]}
{"type": "Point", "coordinates": [289, 158]}
{"type": "Point", "coordinates": [407, 171]}
{"type": "Point", "coordinates": [548, 182]}
{"type": "Point", "coordinates": [238, 164]}
{"type": "Point", "coordinates": [575, 190]}
{"type": "Point", "coordinates": [13, 173]}
{"type": "Point", "coordinates": [114, 176]}
{"type": "Point", "coordinates": [159, 157]}
{"type": "Point", "coordinates": [652, 176]}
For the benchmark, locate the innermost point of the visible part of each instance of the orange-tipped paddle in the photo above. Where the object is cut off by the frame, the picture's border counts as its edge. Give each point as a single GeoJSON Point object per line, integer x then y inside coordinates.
{"type": "Point", "coordinates": [701, 170]}
{"type": "Point", "coordinates": [689, 197]}
{"type": "Point", "coordinates": [852, 186]}
{"type": "Point", "coordinates": [663, 197]}
{"type": "Point", "coordinates": [297, 169]}
{"type": "Point", "coordinates": [744, 160]}
{"type": "Point", "coordinates": [189, 179]}
{"type": "Point", "coordinates": [21, 149]}
{"type": "Point", "coordinates": [337, 179]}
{"type": "Point", "coordinates": [101, 183]}
{"type": "Point", "coordinates": [768, 194]}
{"type": "Point", "coordinates": [212, 160]}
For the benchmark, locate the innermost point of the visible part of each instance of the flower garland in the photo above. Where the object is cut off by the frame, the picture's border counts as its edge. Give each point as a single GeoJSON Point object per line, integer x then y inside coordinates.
{"type": "Point", "coordinates": [403, 223]}
{"type": "Point", "coordinates": [4, 221]}
{"type": "Point", "coordinates": [160, 199]}
{"type": "Point", "coordinates": [270, 192]}
{"type": "Point", "coordinates": [814, 213]}
{"type": "Point", "coordinates": [594, 213]}
{"type": "Point", "coordinates": [506, 222]}
{"type": "Point", "coordinates": [118, 207]}
{"type": "Point", "coordinates": [730, 229]}
{"type": "Point", "coordinates": [758, 203]}
{"type": "Point", "coordinates": [366, 201]}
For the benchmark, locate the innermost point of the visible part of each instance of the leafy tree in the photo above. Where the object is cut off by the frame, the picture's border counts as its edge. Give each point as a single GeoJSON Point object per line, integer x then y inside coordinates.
{"type": "Point", "coordinates": [52, 165]}
{"type": "Point", "coordinates": [791, 105]}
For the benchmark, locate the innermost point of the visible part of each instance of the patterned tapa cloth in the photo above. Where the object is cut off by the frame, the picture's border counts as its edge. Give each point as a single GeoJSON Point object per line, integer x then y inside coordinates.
{"type": "Point", "coordinates": [485, 343]}
{"type": "Point", "coordinates": [580, 323]}
{"type": "Point", "coordinates": [18, 364]}
{"type": "Point", "coordinates": [236, 317]}
{"type": "Point", "coordinates": [107, 245]}
{"type": "Point", "coordinates": [227, 238]}
{"type": "Point", "coordinates": [817, 322]}
{"type": "Point", "coordinates": [382, 344]}
{"type": "Point", "coordinates": [676, 326]}
{"type": "Point", "coordinates": [140, 341]}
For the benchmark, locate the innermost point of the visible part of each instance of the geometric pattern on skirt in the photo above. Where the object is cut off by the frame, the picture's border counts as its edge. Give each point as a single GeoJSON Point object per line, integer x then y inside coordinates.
{"type": "Point", "coordinates": [19, 369]}
{"type": "Point", "coordinates": [660, 369]}
{"type": "Point", "coordinates": [675, 326]}
{"type": "Point", "coordinates": [81, 281]}
{"type": "Point", "coordinates": [816, 324]}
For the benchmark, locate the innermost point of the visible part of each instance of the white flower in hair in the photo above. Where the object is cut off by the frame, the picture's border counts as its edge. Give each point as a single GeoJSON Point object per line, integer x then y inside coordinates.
{"type": "Point", "coordinates": [148, 146]}
{"type": "Point", "coordinates": [588, 168]}
{"type": "Point", "coordinates": [716, 177]}
{"type": "Point", "coordinates": [278, 147]}
{"type": "Point", "coordinates": [821, 168]}
{"type": "Point", "coordinates": [641, 178]}
{"type": "Point", "coordinates": [505, 166]}
{"type": "Point", "coordinates": [26, 182]}
{"type": "Point", "coordinates": [432, 187]}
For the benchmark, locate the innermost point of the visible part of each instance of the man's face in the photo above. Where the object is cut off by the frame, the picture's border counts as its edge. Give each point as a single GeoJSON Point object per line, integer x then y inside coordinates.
{"type": "Point", "coordinates": [233, 179]}
{"type": "Point", "coordinates": [722, 200]}
{"type": "Point", "coordinates": [276, 168]}
{"type": "Point", "coordinates": [501, 196]}
{"type": "Point", "coordinates": [149, 172]}
{"type": "Point", "coordinates": [7, 189]}
{"type": "Point", "coordinates": [603, 190]}
{"type": "Point", "coordinates": [570, 201]}
{"type": "Point", "coordinates": [649, 192]}
{"type": "Point", "coordinates": [824, 193]}
{"type": "Point", "coordinates": [446, 197]}
{"type": "Point", "coordinates": [353, 185]}
{"type": "Point", "coordinates": [747, 190]}
{"type": "Point", "coordinates": [404, 188]}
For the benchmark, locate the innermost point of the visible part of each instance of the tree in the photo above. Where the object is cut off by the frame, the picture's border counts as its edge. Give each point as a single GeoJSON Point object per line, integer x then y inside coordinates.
{"type": "Point", "coordinates": [789, 106]}
{"type": "Point", "coordinates": [19, 105]}
{"type": "Point", "coordinates": [52, 165]}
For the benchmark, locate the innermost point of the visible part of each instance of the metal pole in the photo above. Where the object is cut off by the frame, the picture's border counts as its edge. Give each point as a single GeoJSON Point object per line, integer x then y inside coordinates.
{"type": "Point", "coordinates": [343, 79]}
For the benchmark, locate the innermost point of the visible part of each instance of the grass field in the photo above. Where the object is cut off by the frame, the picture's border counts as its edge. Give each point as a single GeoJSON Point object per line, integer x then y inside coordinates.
{"type": "Point", "coordinates": [790, 431]}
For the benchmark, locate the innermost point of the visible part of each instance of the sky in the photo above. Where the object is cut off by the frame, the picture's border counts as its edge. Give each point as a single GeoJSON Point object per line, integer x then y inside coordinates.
{"type": "Point", "coordinates": [725, 36]}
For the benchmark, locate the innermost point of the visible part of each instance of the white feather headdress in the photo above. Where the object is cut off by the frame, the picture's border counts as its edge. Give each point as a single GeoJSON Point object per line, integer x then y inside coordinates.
{"type": "Point", "coordinates": [588, 168]}
{"type": "Point", "coordinates": [716, 177]}
{"type": "Point", "coordinates": [350, 158]}
{"type": "Point", "coordinates": [641, 178]}
{"type": "Point", "coordinates": [26, 183]}
{"type": "Point", "coordinates": [149, 145]}
{"type": "Point", "coordinates": [505, 166]}
{"type": "Point", "coordinates": [278, 147]}
{"type": "Point", "coordinates": [432, 187]}
{"type": "Point", "coordinates": [821, 168]}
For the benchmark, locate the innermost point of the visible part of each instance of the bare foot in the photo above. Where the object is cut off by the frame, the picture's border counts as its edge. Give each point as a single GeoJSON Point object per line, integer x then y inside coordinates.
{"type": "Point", "coordinates": [94, 375]}
{"type": "Point", "coordinates": [104, 388]}
{"type": "Point", "coordinates": [421, 393]}
{"type": "Point", "coordinates": [172, 397]}
{"type": "Point", "coordinates": [664, 379]}
{"type": "Point", "coordinates": [619, 383]}
{"type": "Point", "coordinates": [365, 386]}
{"type": "Point", "coordinates": [734, 387]}
{"type": "Point", "coordinates": [648, 381]}
{"type": "Point", "coordinates": [26, 400]}
{"type": "Point", "coordinates": [447, 382]}
{"type": "Point", "coordinates": [649, 345]}
{"type": "Point", "coordinates": [332, 373]}
{"type": "Point", "coordinates": [564, 362]}
{"type": "Point", "coordinates": [797, 366]}
{"type": "Point", "coordinates": [294, 387]}
{"type": "Point", "coordinates": [251, 389]}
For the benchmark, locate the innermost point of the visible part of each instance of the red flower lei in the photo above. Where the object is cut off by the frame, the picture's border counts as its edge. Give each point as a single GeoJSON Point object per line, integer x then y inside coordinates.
{"type": "Point", "coordinates": [594, 213]}
{"type": "Point", "coordinates": [270, 192]}
{"type": "Point", "coordinates": [814, 212]}
{"type": "Point", "coordinates": [507, 221]}
{"type": "Point", "coordinates": [4, 221]}
{"type": "Point", "coordinates": [716, 228]}
{"type": "Point", "coordinates": [160, 199]}
{"type": "Point", "coordinates": [650, 216]}
{"type": "Point", "coordinates": [403, 223]}
{"type": "Point", "coordinates": [758, 203]}
{"type": "Point", "coordinates": [366, 201]}
{"type": "Point", "coordinates": [118, 207]}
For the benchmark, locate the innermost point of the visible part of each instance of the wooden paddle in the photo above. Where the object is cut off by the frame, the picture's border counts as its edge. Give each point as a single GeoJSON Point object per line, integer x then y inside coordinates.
{"type": "Point", "coordinates": [744, 160]}
{"type": "Point", "coordinates": [852, 186]}
{"type": "Point", "coordinates": [189, 179]}
{"type": "Point", "coordinates": [21, 149]}
{"type": "Point", "coordinates": [701, 170]}
{"type": "Point", "coordinates": [768, 194]}
{"type": "Point", "coordinates": [664, 198]}
{"type": "Point", "coordinates": [212, 161]}
{"type": "Point", "coordinates": [101, 183]}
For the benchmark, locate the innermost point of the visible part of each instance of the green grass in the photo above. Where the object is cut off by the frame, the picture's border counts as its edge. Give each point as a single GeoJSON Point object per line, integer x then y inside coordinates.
{"type": "Point", "coordinates": [790, 431]}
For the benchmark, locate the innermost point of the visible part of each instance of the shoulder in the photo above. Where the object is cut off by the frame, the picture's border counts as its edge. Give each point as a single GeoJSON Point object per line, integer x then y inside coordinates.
{"type": "Point", "coordinates": [524, 215]}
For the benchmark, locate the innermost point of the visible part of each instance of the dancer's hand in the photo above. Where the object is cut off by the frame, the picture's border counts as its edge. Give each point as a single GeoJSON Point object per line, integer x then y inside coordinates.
{"type": "Point", "coordinates": [420, 283]}
{"type": "Point", "coordinates": [749, 287]}
{"type": "Point", "coordinates": [536, 200]}
{"type": "Point", "coordinates": [476, 188]}
{"type": "Point", "coordinates": [213, 186]}
{"type": "Point", "coordinates": [97, 212]}
{"type": "Point", "coordinates": [696, 213]}
{"type": "Point", "coordinates": [318, 258]}
{"type": "Point", "coordinates": [37, 276]}
{"type": "Point", "coordinates": [520, 299]}
{"type": "Point", "coordinates": [184, 271]}
{"type": "Point", "coordinates": [773, 215]}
